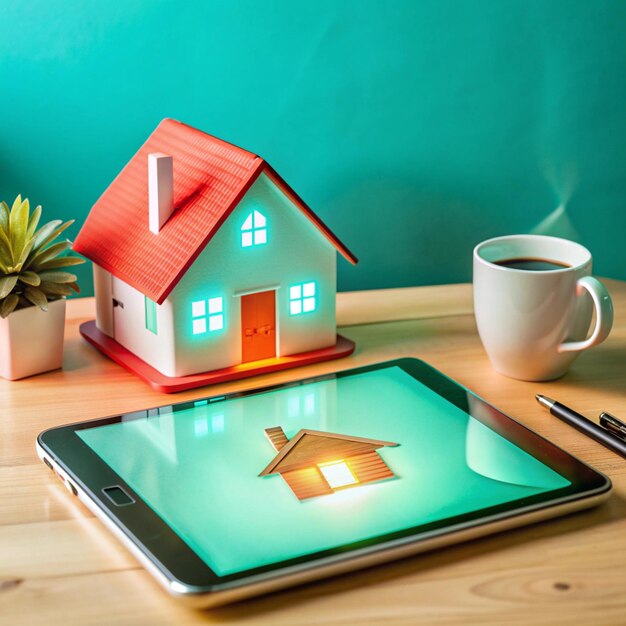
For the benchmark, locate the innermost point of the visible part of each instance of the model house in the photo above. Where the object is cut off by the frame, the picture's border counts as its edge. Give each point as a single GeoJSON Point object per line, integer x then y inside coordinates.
{"type": "Point", "coordinates": [315, 463]}
{"type": "Point", "coordinates": [204, 258]}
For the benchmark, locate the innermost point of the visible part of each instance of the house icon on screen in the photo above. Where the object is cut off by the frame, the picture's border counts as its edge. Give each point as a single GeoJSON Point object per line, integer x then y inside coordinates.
{"type": "Point", "coordinates": [205, 259]}
{"type": "Point", "coordinates": [316, 463]}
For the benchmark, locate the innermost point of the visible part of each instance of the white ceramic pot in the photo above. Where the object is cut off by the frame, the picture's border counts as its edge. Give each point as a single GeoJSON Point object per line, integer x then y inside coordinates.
{"type": "Point", "coordinates": [31, 341]}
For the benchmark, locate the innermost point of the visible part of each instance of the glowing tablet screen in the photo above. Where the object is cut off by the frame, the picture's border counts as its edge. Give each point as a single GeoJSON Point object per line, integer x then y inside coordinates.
{"type": "Point", "coordinates": [198, 468]}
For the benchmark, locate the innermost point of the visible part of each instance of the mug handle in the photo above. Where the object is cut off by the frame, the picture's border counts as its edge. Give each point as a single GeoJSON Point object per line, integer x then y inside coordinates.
{"type": "Point", "coordinates": [604, 314]}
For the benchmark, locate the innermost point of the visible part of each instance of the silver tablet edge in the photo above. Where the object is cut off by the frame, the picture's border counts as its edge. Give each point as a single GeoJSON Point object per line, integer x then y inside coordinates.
{"type": "Point", "coordinates": [328, 566]}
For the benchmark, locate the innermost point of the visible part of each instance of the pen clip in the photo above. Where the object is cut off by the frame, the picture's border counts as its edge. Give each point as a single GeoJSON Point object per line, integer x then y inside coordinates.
{"type": "Point", "coordinates": [614, 425]}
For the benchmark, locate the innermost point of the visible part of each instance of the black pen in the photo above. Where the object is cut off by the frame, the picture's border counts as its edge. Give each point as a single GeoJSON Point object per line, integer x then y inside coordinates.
{"type": "Point", "coordinates": [584, 425]}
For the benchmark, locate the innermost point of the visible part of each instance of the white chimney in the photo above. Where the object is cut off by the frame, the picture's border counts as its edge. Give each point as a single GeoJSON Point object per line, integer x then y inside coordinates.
{"type": "Point", "coordinates": [160, 190]}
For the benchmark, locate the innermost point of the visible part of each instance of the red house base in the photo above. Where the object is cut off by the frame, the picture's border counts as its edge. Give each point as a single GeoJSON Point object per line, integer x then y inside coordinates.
{"type": "Point", "coordinates": [172, 384]}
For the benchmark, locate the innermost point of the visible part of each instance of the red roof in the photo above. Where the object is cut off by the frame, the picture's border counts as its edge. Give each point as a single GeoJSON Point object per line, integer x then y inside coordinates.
{"type": "Point", "coordinates": [210, 178]}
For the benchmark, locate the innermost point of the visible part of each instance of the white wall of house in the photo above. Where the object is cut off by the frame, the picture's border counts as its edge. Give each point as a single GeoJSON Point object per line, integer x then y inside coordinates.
{"type": "Point", "coordinates": [295, 252]}
{"type": "Point", "coordinates": [130, 330]}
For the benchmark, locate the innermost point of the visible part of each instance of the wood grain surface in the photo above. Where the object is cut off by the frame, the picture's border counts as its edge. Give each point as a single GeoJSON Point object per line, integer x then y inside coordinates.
{"type": "Point", "coordinates": [58, 565]}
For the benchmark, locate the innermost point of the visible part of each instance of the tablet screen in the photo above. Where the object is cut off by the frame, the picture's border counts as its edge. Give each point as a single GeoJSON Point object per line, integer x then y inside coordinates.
{"type": "Point", "coordinates": [198, 468]}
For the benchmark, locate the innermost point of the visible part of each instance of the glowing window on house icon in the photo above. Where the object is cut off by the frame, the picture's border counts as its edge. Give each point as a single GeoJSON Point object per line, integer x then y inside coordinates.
{"type": "Point", "coordinates": [302, 298]}
{"type": "Point", "coordinates": [337, 474]}
{"type": "Point", "coordinates": [254, 230]}
{"type": "Point", "coordinates": [207, 315]}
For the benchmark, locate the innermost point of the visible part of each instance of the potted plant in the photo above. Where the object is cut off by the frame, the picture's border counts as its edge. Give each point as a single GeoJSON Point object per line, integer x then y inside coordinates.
{"type": "Point", "coordinates": [33, 287]}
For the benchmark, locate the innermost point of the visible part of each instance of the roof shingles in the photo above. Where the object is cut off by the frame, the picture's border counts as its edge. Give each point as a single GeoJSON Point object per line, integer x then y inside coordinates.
{"type": "Point", "coordinates": [210, 178]}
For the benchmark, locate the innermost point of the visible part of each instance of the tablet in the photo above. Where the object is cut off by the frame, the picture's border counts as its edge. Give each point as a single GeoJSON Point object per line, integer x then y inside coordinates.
{"type": "Point", "coordinates": [240, 494]}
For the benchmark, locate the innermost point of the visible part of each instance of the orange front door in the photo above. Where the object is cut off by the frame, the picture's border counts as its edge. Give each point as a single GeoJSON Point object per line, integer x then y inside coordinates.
{"type": "Point", "coordinates": [258, 326]}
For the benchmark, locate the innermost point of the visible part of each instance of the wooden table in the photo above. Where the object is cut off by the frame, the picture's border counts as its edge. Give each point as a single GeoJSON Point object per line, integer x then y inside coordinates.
{"type": "Point", "coordinates": [58, 565]}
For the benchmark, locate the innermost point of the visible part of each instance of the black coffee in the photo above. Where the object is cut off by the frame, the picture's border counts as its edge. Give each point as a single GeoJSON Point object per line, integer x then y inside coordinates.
{"type": "Point", "coordinates": [533, 265]}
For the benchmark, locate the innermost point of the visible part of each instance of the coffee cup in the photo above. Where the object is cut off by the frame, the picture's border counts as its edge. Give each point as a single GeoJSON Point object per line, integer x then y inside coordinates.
{"type": "Point", "coordinates": [534, 298]}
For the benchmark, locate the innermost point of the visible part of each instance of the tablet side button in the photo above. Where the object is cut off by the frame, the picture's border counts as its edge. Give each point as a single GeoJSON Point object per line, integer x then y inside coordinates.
{"type": "Point", "coordinates": [117, 495]}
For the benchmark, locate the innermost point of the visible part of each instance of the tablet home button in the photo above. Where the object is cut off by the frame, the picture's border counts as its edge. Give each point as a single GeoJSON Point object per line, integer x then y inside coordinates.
{"type": "Point", "coordinates": [117, 495]}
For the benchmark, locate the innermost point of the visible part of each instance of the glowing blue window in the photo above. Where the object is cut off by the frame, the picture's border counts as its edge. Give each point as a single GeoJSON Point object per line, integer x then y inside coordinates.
{"type": "Point", "coordinates": [151, 315]}
{"type": "Point", "coordinates": [254, 230]}
{"type": "Point", "coordinates": [207, 315]}
{"type": "Point", "coordinates": [302, 298]}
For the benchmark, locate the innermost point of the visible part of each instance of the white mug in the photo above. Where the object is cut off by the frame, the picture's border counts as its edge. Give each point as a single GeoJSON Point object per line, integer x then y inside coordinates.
{"type": "Point", "coordinates": [532, 323]}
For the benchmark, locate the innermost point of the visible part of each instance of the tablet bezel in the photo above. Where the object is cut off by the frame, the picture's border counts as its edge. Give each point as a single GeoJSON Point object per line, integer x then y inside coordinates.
{"type": "Point", "coordinates": [177, 562]}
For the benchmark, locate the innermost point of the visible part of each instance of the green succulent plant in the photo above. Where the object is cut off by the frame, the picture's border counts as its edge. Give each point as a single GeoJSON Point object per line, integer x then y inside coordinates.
{"type": "Point", "coordinates": [31, 264]}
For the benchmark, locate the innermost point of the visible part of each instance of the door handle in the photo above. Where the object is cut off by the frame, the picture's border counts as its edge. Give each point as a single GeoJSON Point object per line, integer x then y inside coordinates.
{"type": "Point", "coordinates": [261, 330]}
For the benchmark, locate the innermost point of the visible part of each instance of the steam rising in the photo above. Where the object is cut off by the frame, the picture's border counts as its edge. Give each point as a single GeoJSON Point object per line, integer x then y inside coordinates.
{"type": "Point", "coordinates": [557, 224]}
{"type": "Point", "coordinates": [563, 180]}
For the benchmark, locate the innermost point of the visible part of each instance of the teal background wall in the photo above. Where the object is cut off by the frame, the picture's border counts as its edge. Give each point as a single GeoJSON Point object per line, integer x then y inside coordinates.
{"type": "Point", "coordinates": [415, 128]}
